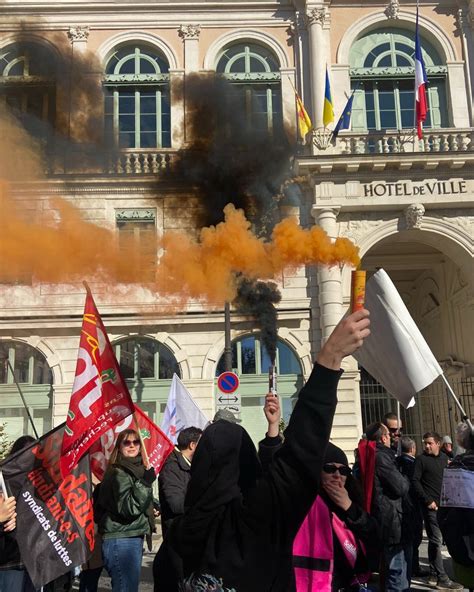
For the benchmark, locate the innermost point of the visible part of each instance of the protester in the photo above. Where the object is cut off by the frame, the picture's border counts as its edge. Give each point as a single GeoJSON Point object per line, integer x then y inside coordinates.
{"type": "Point", "coordinates": [406, 464]}
{"type": "Point", "coordinates": [13, 575]}
{"type": "Point", "coordinates": [227, 415]}
{"type": "Point", "coordinates": [457, 524]}
{"type": "Point", "coordinates": [175, 475]}
{"type": "Point", "coordinates": [395, 428]}
{"type": "Point", "coordinates": [237, 530]}
{"type": "Point", "coordinates": [391, 507]}
{"type": "Point", "coordinates": [427, 481]}
{"type": "Point", "coordinates": [447, 447]}
{"type": "Point", "coordinates": [125, 500]}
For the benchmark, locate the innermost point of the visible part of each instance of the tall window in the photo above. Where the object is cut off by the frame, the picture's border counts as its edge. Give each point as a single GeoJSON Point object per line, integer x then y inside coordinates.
{"type": "Point", "coordinates": [27, 85]}
{"type": "Point", "coordinates": [32, 372]}
{"type": "Point", "coordinates": [382, 74]}
{"type": "Point", "coordinates": [137, 240]}
{"type": "Point", "coordinates": [256, 84]}
{"type": "Point", "coordinates": [144, 358]}
{"type": "Point", "coordinates": [137, 104]}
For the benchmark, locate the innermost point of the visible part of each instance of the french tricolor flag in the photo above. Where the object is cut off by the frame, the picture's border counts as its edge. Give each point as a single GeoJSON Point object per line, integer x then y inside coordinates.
{"type": "Point", "coordinates": [420, 84]}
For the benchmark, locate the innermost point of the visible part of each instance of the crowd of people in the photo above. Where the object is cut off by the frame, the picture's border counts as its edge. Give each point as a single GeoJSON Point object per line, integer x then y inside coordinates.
{"type": "Point", "coordinates": [292, 516]}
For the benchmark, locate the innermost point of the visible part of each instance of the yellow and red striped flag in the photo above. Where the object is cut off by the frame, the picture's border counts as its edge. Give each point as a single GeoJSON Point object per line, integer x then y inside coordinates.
{"type": "Point", "coordinates": [304, 121]}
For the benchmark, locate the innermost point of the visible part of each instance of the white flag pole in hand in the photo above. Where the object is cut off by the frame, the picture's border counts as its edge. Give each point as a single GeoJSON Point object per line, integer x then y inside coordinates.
{"type": "Point", "coordinates": [396, 353]}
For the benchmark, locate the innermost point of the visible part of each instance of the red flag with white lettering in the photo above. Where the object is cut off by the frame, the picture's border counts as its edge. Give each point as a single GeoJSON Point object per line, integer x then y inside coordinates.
{"type": "Point", "coordinates": [157, 445]}
{"type": "Point", "coordinates": [100, 397]}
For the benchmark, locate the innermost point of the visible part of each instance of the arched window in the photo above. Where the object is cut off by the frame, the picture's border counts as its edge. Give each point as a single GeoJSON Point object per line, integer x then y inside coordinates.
{"type": "Point", "coordinates": [32, 372]}
{"type": "Point", "coordinates": [137, 104]}
{"type": "Point", "coordinates": [382, 74]}
{"type": "Point", "coordinates": [27, 85]}
{"type": "Point", "coordinates": [256, 84]}
{"type": "Point", "coordinates": [250, 360]}
{"type": "Point", "coordinates": [148, 367]}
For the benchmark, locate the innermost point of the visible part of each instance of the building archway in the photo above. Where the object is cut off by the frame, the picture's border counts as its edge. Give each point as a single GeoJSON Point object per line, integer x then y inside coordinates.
{"type": "Point", "coordinates": [433, 280]}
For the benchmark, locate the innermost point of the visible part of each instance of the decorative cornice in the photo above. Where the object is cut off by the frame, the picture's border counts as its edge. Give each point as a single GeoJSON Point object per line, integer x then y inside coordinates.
{"type": "Point", "coordinates": [189, 31]}
{"type": "Point", "coordinates": [393, 9]}
{"type": "Point", "coordinates": [135, 215]}
{"type": "Point", "coordinates": [78, 33]}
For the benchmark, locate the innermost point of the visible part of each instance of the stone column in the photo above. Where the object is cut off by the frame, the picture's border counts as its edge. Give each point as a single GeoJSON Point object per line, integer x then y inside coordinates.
{"type": "Point", "coordinates": [190, 36]}
{"type": "Point", "coordinates": [318, 23]}
{"type": "Point", "coordinates": [329, 278]}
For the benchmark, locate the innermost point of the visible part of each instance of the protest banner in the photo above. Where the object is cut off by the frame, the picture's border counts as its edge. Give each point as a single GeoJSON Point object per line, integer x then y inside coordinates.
{"type": "Point", "coordinates": [55, 522]}
{"type": "Point", "coordinates": [156, 444]}
{"type": "Point", "coordinates": [100, 396]}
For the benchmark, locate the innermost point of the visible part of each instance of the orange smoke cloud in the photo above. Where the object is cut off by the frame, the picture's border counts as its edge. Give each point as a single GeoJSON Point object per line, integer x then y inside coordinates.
{"type": "Point", "coordinates": [209, 267]}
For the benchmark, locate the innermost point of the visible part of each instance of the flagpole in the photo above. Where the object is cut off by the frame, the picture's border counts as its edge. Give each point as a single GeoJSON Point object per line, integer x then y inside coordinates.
{"type": "Point", "coordinates": [142, 442]}
{"type": "Point", "coordinates": [23, 399]}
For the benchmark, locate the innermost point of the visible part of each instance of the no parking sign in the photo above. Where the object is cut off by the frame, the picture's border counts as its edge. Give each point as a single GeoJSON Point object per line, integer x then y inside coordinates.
{"type": "Point", "coordinates": [227, 397]}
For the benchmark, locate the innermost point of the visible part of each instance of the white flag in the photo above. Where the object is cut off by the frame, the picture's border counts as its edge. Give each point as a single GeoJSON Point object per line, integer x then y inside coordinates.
{"type": "Point", "coordinates": [396, 353]}
{"type": "Point", "coordinates": [181, 411]}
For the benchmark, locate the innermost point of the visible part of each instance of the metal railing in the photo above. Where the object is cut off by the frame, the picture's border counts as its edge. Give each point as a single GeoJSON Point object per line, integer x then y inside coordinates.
{"type": "Point", "coordinates": [435, 409]}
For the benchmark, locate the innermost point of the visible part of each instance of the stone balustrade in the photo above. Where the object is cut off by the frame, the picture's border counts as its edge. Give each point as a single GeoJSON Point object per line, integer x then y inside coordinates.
{"type": "Point", "coordinates": [392, 142]}
{"type": "Point", "coordinates": [140, 162]}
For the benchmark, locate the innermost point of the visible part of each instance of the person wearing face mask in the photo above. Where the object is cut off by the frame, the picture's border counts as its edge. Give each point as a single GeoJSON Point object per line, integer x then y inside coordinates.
{"type": "Point", "coordinates": [329, 550]}
{"type": "Point", "coordinates": [126, 512]}
{"type": "Point", "coordinates": [238, 527]}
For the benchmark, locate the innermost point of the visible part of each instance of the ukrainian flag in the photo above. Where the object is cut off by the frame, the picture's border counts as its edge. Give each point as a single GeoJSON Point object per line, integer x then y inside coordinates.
{"type": "Point", "coordinates": [328, 112]}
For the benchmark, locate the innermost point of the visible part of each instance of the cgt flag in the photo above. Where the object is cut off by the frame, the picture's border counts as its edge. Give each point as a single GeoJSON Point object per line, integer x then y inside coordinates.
{"type": "Point", "coordinates": [100, 397]}
{"type": "Point", "coordinates": [157, 445]}
{"type": "Point", "coordinates": [55, 521]}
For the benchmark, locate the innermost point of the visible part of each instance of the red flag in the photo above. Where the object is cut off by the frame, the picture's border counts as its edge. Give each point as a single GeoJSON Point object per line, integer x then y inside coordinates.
{"type": "Point", "coordinates": [367, 470]}
{"type": "Point", "coordinates": [100, 397]}
{"type": "Point", "coordinates": [157, 445]}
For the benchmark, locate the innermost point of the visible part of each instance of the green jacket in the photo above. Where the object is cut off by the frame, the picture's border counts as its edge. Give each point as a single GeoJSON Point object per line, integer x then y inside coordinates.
{"type": "Point", "coordinates": [124, 502]}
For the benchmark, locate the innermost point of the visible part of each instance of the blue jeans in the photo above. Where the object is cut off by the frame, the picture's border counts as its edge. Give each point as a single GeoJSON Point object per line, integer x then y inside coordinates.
{"type": "Point", "coordinates": [17, 580]}
{"type": "Point", "coordinates": [398, 564]}
{"type": "Point", "coordinates": [123, 561]}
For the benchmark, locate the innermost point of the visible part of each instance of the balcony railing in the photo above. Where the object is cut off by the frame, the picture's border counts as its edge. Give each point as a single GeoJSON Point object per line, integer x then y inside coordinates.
{"type": "Point", "coordinates": [392, 142]}
{"type": "Point", "coordinates": [141, 162]}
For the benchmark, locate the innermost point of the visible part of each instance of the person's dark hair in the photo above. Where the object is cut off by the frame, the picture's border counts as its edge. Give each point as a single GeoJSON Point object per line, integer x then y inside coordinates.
{"type": "Point", "coordinates": [407, 444]}
{"type": "Point", "coordinates": [375, 431]}
{"type": "Point", "coordinates": [21, 442]}
{"type": "Point", "coordinates": [436, 437]}
{"type": "Point", "coordinates": [120, 439]}
{"type": "Point", "coordinates": [388, 416]}
{"type": "Point", "coordinates": [187, 436]}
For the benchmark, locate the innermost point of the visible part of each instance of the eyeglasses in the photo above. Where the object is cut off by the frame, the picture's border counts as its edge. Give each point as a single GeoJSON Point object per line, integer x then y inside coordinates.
{"type": "Point", "coordinates": [330, 469]}
{"type": "Point", "coordinates": [395, 430]}
{"type": "Point", "coordinates": [131, 442]}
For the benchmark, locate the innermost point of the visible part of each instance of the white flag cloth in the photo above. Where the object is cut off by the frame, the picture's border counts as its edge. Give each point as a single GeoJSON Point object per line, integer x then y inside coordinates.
{"type": "Point", "coordinates": [396, 353]}
{"type": "Point", "coordinates": [181, 411]}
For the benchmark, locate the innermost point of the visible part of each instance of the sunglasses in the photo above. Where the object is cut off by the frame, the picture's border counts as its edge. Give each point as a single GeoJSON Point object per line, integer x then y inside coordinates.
{"type": "Point", "coordinates": [395, 430]}
{"type": "Point", "coordinates": [131, 442]}
{"type": "Point", "coordinates": [344, 471]}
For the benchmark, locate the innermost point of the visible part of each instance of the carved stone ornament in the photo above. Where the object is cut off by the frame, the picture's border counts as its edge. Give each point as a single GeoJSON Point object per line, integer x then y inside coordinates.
{"type": "Point", "coordinates": [393, 9]}
{"type": "Point", "coordinates": [321, 138]}
{"type": "Point", "coordinates": [414, 215]}
{"type": "Point", "coordinates": [78, 33]}
{"type": "Point", "coordinates": [189, 31]}
{"type": "Point", "coordinates": [317, 15]}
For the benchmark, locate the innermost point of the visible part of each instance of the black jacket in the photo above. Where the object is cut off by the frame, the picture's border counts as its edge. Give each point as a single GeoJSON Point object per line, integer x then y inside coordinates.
{"type": "Point", "coordinates": [428, 477]}
{"type": "Point", "coordinates": [457, 524]}
{"type": "Point", "coordinates": [239, 526]}
{"type": "Point", "coordinates": [391, 505]}
{"type": "Point", "coordinates": [173, 483]}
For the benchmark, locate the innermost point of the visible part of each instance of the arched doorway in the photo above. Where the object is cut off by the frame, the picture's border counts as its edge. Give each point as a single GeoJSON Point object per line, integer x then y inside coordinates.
{"type": "Point", "coordinates": [436, 289]}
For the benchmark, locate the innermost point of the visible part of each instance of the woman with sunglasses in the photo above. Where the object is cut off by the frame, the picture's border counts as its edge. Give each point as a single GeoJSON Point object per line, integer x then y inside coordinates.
{"type": "Point", "coordinates": [329, 549]}
{"type": "Point", "coordinates": [126, 512]}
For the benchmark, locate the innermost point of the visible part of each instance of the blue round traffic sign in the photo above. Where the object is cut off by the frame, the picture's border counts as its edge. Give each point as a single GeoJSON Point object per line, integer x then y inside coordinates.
{"type": "Point", "coordinates": [228, 382]}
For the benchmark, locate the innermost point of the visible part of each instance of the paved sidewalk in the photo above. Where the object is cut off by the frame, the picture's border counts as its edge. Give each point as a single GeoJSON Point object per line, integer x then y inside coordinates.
{"type": "Point", "coordinates": [146, 584]}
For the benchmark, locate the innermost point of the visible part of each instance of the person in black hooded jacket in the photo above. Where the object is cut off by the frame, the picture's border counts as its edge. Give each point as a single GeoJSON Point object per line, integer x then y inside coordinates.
{"type": "Point", "coordinates": [238, 527]}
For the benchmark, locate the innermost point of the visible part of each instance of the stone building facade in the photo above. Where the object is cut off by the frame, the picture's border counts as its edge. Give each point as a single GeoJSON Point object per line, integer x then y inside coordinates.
{"type": "Point", "coordinates": [408, 204]}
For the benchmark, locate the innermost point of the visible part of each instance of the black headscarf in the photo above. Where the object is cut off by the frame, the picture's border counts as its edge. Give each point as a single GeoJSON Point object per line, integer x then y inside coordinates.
{"type": "Point", "coordinates": [225, 468]}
